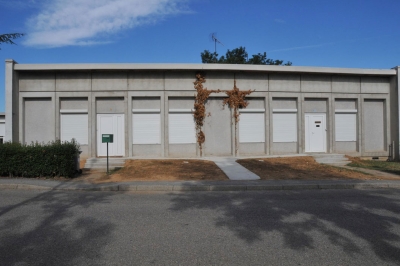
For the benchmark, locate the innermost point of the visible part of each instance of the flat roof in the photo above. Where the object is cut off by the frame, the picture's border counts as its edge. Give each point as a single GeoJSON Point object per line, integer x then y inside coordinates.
{"type": "Point", "coordinates": [200, 67]}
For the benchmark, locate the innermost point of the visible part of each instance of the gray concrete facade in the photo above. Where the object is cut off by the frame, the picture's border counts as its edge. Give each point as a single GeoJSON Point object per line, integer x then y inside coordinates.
{"type": "Point", "coordinates": [355, 111]}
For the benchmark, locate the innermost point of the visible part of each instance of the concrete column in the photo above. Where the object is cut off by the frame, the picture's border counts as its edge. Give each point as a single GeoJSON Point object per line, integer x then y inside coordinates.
{"type": "Point", "coordinates": [395, 112]}
{"type": "Point", "coordinates": [396, 106]}
{"type": "Point", "coordinates": [11, 102]}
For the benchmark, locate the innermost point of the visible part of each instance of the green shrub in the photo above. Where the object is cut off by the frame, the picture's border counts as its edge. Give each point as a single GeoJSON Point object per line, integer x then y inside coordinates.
{"type": "Point", "coordinates": [38, 159]}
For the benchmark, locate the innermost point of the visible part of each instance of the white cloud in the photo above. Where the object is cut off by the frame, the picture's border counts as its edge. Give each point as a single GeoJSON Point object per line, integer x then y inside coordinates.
{"type": "Point", "coordinates": [77, 22]}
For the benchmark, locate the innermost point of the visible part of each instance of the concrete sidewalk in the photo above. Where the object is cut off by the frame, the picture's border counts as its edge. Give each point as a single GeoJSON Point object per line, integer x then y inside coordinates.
{"type": "Point", "coordinates": [34, 184]}
{"type": "Point", "coordinates": [232, 169]}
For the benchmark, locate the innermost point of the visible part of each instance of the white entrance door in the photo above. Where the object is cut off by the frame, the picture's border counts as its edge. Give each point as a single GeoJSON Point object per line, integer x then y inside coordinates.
{"type": "Point", "coordinates": [315, 137]}
{"type": "Point", "coordinates": [111, 124]}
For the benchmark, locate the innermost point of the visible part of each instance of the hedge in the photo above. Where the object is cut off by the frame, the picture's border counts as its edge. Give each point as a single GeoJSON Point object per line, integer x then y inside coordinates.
{"type": "Point", "coordinates": [38, 159]}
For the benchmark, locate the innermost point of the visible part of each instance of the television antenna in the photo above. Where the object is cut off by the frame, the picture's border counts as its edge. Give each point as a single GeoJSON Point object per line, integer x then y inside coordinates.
{"type": "Point", "coordinates": [215, 40]}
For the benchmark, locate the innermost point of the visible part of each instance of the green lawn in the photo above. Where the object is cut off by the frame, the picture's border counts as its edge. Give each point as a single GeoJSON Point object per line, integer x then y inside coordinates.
{"type": "Point", "coordinates": [388, 167]}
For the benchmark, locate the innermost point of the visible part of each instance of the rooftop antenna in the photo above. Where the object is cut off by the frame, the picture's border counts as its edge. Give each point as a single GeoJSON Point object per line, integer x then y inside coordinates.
{"type": "Point", "coordinates": [215, 40]}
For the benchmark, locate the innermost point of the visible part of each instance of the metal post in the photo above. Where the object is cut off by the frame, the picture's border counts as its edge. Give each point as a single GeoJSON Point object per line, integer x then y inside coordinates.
{"type": "Point", "coordinates": [107, 158]}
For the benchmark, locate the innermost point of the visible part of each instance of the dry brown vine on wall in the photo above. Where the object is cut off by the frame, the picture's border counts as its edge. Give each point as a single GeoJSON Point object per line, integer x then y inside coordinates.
{"type": "Point", "coordinates": [199, 112]}
{"type": "Point", "coordinates": [236, 100]}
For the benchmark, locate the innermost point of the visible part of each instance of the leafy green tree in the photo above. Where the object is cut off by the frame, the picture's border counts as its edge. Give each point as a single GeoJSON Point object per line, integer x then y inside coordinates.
{"type": "Point", "coordinates": [9, 37]}
{"type": "Point", "coordinates": [240, 56]}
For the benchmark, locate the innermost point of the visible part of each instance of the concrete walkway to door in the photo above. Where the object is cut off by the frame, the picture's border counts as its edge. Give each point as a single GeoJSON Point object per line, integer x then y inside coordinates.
{"type": "Point", "coordinates": [232, 169]}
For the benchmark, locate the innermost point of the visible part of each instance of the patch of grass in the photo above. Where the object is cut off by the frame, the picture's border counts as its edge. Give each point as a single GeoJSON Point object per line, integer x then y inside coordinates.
{"type": "Point", "coordinates": [388, 167]}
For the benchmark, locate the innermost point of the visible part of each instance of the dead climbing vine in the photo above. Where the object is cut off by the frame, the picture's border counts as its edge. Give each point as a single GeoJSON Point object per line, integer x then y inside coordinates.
{"type": "Point", "coordinates": [236, 100]}
{"type": "Point", "coordinates": [199, 112]}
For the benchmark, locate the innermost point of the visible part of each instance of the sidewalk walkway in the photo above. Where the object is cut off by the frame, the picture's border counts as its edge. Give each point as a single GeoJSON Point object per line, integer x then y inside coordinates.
{"type": "Point", "coordinates": [34, 184]}
{"type": "Point", "coordinates": [232, 169]}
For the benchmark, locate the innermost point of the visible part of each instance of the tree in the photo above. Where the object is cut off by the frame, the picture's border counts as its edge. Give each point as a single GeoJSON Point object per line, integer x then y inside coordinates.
{"type": "Point", "coordinates": [9, 37]}
{"type": "Point", "coordinates": [240, 56]}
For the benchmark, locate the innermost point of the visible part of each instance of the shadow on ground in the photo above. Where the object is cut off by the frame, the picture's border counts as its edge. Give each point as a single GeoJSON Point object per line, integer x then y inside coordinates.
{"type": "Point", "coordinates": [367, 217]}
{"type": "Point", "coordinates": [60, 237]}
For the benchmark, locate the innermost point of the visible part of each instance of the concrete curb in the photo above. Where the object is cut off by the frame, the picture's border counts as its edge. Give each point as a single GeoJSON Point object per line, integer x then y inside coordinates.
{"type": "Point", "coordinates": [202, 187]}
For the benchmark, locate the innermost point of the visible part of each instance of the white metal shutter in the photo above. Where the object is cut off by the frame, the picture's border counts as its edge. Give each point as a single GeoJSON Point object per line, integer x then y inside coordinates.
{"type": "Point", "coordinates": [74, 126]}
{"type": "Point", "coordinates": [181, 128]}
{"type": "Point", "coordinates": [146, 128]}
{"type": "Point", "coordinates": [285, 127]}
{"type": "Point", "coordinates": [345, 127]}
{"type": "Point", "coordinates": [2, 129]}
{"type": "Point", "coordinates": [251, 127]}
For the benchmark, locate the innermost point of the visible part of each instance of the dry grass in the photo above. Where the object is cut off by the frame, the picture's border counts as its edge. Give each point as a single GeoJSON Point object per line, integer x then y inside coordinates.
{"type": "Point", "coordinates": [165, 170]}
{"type": "Point", "coordinates": [300, 168]}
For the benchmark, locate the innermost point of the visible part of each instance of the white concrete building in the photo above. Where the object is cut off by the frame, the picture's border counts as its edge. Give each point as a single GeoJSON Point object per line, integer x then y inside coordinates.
{"type": "Point", "coordinates": [148, 108]}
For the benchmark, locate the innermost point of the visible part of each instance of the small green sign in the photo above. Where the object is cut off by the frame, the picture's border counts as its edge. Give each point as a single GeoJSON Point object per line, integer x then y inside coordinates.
{"type": "Point", "coordinates": [107, 138]}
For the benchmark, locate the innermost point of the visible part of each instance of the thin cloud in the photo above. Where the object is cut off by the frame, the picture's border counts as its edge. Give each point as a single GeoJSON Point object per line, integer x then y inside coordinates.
{"type": "Point", "coordinates": [280, 21]}
{"type": "Point", "coordinates": [77, 22]}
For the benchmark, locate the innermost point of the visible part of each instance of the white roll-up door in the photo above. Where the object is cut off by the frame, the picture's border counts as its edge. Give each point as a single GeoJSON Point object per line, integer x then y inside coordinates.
{"type": "Point", "coordinates": [285, 127]}
{"type": "Point", "coordinates": [251, 127]}
{"type": "Point", "coordinates": [181, 128]}
{"type": "Point", "coordinates": [345, 127]}
{"type": "Point", "coordinates": [2, 129]}
{"type": "Point", "coordinates": [74, 126]}
{"type": "Point", "coordinates": [146, 128]}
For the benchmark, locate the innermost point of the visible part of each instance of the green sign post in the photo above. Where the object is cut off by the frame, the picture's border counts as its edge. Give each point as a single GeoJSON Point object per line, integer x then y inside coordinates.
{"type": "Point", "coordinates": [107, 138]}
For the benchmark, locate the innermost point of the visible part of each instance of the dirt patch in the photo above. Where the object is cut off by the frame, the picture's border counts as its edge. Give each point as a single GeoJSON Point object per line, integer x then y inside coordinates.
{"type": "Point", "coordinates": [301, 168]}
{"type": "Point", "coordinates": [162, 170]}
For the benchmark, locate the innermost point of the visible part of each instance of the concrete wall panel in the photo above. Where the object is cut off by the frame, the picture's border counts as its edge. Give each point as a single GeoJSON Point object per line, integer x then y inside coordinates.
{"type": "Point", "coordinates": [146, 150]}
{"type": "Point", "coordinates": [252, 81]}
{"type": "Point", "coordinates": [37, 81]}
{"type": "Point", "coordinates": [373, 125]}
{"type": "Point", "coordinates": [39, 120]}
{"type": "Point", "coordinates": [375, 85]}
{"type": "Point", "coordinates": [284, 103]}
{"type": "Point", "coordinates": [255, 103]}
{"type": "Point", "coordinates": [74, 81]}
{"type": "Point", "coordinates": [346, 84]}
{"type": "Point", "coordinates": [146, 81]}
{"type": "Point", "coordinates": [284, 148]}
{"type": "Point", "coordinates": [181, 81]}
{"type": "Point", "coordinates": [312, 105]}
{"type": "Point", "coordinates": [110, 105]}
{"type": "Point", "coordinates": [85, 152]}
{"type": "Point", "coordinates": [146, 103]}
{"type": "Point", "coordinates": [315, 83]}
{"type": "Point", "coordinates": [251, 149]}
{"type": "Point", "coordinates": [284, 82]}
{"type": "Point", "coordinates": [182, 150]}
{"type": "Point", "coordinates": [346, 146]}
{"type": "Point", "coordinates": [74, 103]}
{"type": "Point", "coordinates": [217, 129]}
{"type": "Point", "coordinates": [109, 81]}
{"type": "Point", "coordinates": [219, 80]}
{"type": "Point", "coordinates": [346, 104]}
{"type": "Point", "coordinates": [181, 102]}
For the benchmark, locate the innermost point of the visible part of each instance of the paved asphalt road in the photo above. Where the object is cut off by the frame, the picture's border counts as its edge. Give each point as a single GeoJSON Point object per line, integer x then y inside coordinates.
{"type": "Point", "coordinates": [307, 227]}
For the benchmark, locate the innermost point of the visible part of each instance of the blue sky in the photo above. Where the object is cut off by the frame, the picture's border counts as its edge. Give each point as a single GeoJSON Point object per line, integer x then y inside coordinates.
{"type": "Point", "coordinates": [341, 33]}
